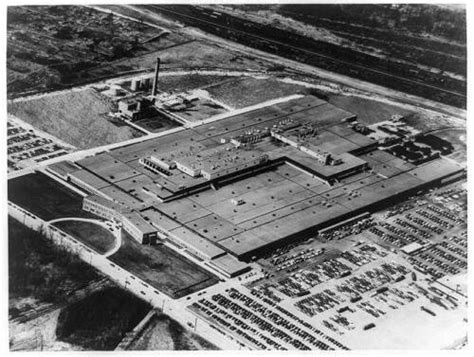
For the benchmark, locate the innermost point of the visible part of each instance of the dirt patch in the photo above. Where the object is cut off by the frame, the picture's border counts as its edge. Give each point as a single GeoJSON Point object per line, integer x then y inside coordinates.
{"type": "Point", "coordinates": [247, 91]}
{"type": "Point", "coordinates": [367, 111]}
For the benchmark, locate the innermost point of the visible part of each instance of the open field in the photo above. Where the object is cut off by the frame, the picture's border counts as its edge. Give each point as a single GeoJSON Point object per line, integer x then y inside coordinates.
{"type": "Point", "coordinates": [427, 123]}
{"type": "Point", "coordinates": [457, 137]}
{"type": "Point", "coordinates": [405, 77]}
{"type": "Point", "coordinates": [51, 47]}
{"type": "Point", "coordinates": [163, 268]}
{"type": "Point", "coordinates": [78, 118]}
{"type": "Point", "coordinates": [100, 321]}
{"type": "Point", "coordinates": [91, 234]}
{"type": "Point", "coordinates": [367, 111]}
{"type": "Point", "coordinates": [186, 82]}
{"type": "Point", "coordinates": [45, 197]}
{"type": "Point", "coordinates": [199, 110]}
{"type": "Point", "coordinates": [198, 54]}
{"type": "Point", "coordinates": [183, 81]}
{"type": "Point", "coordinates": [39, 271]}
{"type": "Point", "coordinates": [247, 91]}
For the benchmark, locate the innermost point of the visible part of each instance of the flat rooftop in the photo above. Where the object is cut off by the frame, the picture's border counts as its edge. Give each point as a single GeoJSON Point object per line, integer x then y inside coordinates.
{"type": "Point", "coordinates": [264, 206]}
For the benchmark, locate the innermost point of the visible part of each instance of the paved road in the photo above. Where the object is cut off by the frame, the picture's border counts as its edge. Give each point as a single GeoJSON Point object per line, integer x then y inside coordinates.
{"type": "Point", "coordinates": [78, 155]}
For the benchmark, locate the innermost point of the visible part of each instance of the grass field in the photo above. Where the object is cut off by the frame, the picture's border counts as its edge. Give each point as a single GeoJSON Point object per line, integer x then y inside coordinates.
{"type": "Point", "coordinates": [161, 267]}
{"type": "Point", "coordinates": [247, 91]}
{"type": "Point", "coordinates": [367, 111]}
{"type": "Point", "coordinates": [78, 118]}
{"type": "Point", "coordinates": [196, 54]}
{"type": "Point", "coordinates": [45, 197]}
{"type": "Point", "coordinates": [91, 234]}
{"type": "Point", "coordinates": [187, 82]}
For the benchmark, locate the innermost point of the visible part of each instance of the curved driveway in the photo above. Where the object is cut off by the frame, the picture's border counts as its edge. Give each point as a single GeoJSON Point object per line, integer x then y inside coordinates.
{"type": "Point", "coordinates": [116, 232]}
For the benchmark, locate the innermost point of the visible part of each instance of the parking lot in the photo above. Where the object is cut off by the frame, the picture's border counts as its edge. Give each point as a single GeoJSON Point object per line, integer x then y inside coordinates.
{"type": "Point", "coordinates": [352, 281]}
{"type": "Point", "coordinates": [25, 145]}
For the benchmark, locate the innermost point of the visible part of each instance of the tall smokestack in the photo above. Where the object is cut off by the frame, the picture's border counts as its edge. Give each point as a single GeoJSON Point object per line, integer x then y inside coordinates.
{"type": "Point", "coordinates": [157, 72]}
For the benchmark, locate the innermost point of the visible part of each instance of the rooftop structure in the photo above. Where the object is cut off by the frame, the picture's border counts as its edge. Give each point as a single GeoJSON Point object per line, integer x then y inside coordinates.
{"type": "Point", "coordinates": [187, 183]}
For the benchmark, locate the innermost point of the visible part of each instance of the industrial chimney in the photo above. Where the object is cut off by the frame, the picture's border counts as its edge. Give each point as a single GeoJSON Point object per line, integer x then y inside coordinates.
{"type": "Point", "coordinates": [157, 72]}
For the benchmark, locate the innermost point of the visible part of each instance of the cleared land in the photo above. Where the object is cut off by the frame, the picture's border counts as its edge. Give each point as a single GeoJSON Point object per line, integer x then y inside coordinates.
{"type": "Point", "coordinates": [186, 82]}
{"type": "Point", "coordinates": [244, 92]}
{"type": "Point", "coordinates": [200, 110]}
{"type": "Point", "coordinates": [367, 111]}
{"type": "Point", "coordinates": [100, 321]}
{"type": "Point", "coordinates": [403, 77]}
{"type": "Point", "coordinates": [79, 118]}
{"type": "Point", "coordinates": [196, 54]}
{"type": "Point", "coordinates": [50, 47]}
{"type": "Point", "coordinates": [457, 137]}
{"type": "Point", "coordinates": [40, 272]}
{"type": "Point", "coordinates": [162, 267]}
{"type": "Point", "coordinates": [91, 234]}
{"type": "Point", "coordinates": [45, 197]}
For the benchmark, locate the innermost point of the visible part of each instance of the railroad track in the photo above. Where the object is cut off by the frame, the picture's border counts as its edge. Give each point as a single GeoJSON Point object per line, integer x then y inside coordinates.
{"type": "Point", "coordinates": [312, 53]}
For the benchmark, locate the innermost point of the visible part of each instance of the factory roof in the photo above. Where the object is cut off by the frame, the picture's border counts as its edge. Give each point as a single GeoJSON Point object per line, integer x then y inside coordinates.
{"type": "Point", "coordinates": [139, 222]}
{"type": "Point", "coordinates": [229, 264]}
{"type": "Point", "coordinates": [194, 240]}
{"type": "Point", "coordinates": [436, 169]}
{"type": "Point", "coordinates": [158, 219]}
{"type": "Point", "coordinates": [89, 178]}
{"type": "Point", "coordinates": [349, 162]}
{"type": "Point", "coordinates": [119, 208]}
{"type": "Point", "coordinates": [291, 196]}
{"type": "Point", "coordinates": [225, 157]}
{"type": "Point", "coordinates": [63, 168]}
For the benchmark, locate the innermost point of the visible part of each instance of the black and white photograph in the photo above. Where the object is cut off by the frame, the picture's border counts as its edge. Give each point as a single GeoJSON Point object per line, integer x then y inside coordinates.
{"type": "Point", "coordinates": [236, 176]}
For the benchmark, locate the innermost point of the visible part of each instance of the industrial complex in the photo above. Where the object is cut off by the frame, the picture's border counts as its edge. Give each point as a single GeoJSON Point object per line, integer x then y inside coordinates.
{"type": "Point", "coordinates": [248, 200]}
{"type": "Point", "coordinates": [249, 182]}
